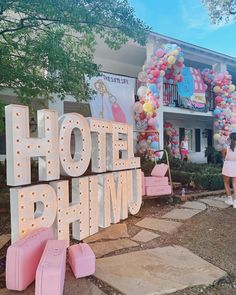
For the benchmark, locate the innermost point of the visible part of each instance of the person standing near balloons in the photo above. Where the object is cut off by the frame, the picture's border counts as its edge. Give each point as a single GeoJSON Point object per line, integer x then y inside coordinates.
{"type": "Point", "coordinates": [184, 148]}
{"type": "Point", "coordinates": [229, 169]}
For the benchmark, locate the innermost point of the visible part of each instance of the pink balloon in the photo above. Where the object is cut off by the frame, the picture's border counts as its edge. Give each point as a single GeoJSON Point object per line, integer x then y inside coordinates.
{"type": "Point", "coordinates": [233, 120]}
{"type": "Point", "coordinates": [218, 99]}
{"type": "Point", "coordinates": [160, 52]}
{"type": "Point", "coordinates": [152, 122]}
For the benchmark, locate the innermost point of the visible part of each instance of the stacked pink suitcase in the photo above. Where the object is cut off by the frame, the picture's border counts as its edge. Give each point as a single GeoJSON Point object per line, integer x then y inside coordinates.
{"type": "Point", "coordinates": [39, 257]}
{"type": "Point", "coordinates": [157, 184]}
{"type": "Point", "coordinates": [50, 275]}
{"type": "Point", "coordinates": [23, 258]}
{"type": "Point", "coordinates": [82, 260]}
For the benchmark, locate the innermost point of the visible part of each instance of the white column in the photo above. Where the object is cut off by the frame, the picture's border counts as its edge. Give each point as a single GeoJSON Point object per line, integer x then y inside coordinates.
{"type": "Point", "coordinates": [160, 119]}
{"type": "Point", "coordinates": [219, 67]}
{"type": "Point", "coordinates": [150, 47]}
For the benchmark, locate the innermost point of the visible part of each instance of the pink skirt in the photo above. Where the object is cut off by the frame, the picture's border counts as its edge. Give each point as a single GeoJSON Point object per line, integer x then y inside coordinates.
{"type": "Point", "coordinates": [229, 168]}
{"type": "Point", "coordinates": [184, 152]}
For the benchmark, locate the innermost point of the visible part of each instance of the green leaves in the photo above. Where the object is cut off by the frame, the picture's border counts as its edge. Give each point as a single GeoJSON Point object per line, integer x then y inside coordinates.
{"type": "Point", "coordinates": [47, 47]}
{"type": "Point", "coordinates": [221, 11]}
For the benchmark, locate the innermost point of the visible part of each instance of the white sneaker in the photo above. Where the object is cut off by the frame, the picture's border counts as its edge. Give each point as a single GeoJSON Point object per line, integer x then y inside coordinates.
{"type": "Point", "coordinates": [234, 203]}
{"type": "Point", "coordinates": [229, 200]}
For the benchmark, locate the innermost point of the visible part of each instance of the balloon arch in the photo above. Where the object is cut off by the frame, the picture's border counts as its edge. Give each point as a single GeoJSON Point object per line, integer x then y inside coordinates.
{"type": "Point", "coordinates": [166, 65]}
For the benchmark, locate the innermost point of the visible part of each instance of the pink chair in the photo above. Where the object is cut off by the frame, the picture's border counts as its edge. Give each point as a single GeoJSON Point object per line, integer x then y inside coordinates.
{"type": "Point", "coordinates": [159, 170]}
{"type": "Point", "coordinates": [159, 190]}
{"type": "Point", "coordinates": [154, 181]}
{"type": "Point", "coordinates": [23, 257]}
{"type": "Point", "coordinates": [82, 260]}
{"type": "Point", "coordinates": [50, 275]}
{"type": "Point", "coordinates": [143, 184]}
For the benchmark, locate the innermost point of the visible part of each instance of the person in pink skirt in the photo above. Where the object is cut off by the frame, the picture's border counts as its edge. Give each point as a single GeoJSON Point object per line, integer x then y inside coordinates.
{"type": "Point", "coordinates": [184, 149]}
{"type": "Point", "coordinates": [229, 169]}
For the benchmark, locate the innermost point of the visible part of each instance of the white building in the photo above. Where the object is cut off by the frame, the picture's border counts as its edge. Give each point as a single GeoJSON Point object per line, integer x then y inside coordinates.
{"type": "Point", "coordinates": [128, 61]}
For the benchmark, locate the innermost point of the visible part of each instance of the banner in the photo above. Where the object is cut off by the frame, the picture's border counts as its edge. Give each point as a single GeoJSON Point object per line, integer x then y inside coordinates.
{"type": "Point", "coordinates": [192, 89]}
{"type": "Point", "coordinates": [114, 99]}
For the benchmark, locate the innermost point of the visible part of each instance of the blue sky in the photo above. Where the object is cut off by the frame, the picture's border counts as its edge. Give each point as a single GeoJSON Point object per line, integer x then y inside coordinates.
{"type": "Point", "coordinates": [186, 20]}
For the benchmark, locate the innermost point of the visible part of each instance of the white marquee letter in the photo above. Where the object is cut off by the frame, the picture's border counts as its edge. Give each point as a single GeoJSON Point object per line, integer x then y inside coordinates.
{"type": "Point", "coordinates": [112, 198]}
{"type": "Point", "coordinates": [134, 179]}
{"type": "Point", "coordinates": [77, 165]}
{"type": "Point", "coordinates": [122, 153]}
{"type": "Point", "coordinates": [24, 217]}
{"type": "Point", "coordinates": [20, 147]}
{"type": "Point", "coordinates": [101, 130]}
{"type": "Point", "coordinates": [77, 213]}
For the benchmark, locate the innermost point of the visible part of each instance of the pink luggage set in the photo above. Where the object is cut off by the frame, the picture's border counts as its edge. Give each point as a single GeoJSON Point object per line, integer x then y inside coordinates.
{"type": "Point", "coordinates": [157, 183]}
{"type": "Point", "coordinates": [41, 258]}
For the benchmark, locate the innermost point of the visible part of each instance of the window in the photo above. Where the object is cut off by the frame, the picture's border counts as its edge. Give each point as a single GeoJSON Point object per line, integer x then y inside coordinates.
{"type": "Point", "coordinates": [189, 134]}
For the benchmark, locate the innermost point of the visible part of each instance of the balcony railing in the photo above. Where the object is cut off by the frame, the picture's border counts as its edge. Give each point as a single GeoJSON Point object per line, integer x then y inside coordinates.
{"type": "Point", "coordinates": [171, 98]}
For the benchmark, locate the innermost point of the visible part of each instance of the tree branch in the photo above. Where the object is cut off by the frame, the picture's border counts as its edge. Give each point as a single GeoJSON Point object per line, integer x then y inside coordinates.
{"type": "Point", "coordinates": [20, 27]}
{"type": "Point", "coordinates": [45, 19]}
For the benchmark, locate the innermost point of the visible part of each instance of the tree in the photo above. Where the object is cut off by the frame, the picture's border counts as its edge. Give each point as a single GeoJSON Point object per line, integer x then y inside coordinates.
{"type": "Point", "coordinates": [47, 47]}
{"type": "Point", "coordinates": [221, 10]}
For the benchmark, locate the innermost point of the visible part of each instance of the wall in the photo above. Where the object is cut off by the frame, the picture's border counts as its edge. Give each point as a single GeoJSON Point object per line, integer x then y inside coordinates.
{"type": "Point", "coordinates": [193, 122]}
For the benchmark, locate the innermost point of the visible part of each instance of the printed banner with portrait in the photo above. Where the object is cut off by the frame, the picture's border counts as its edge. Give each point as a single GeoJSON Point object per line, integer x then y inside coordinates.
{"type": "Point", "coordinates": [114, 98]}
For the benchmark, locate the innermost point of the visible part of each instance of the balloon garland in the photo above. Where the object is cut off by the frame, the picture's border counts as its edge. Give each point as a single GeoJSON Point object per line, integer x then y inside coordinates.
{"type": "Point", "coordinates": [173, 142]}
{"type": "Point", "coordinates": [166, 63]}
{"type": "Point", "coordinates": [225, 101]}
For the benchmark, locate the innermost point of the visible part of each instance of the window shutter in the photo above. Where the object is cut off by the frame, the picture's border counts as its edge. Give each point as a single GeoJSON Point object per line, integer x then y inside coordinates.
{"type": "Point", "coordinates": [198, 140]}
{"type": "Point", "coordinates": [209, 137]}
{"type": "Point", "coordinates": [181, 134]}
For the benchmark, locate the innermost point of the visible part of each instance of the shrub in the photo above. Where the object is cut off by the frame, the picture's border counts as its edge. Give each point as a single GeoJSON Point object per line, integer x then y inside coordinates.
{"type": "Point", "coordinates": [213, 156]}
{"type": "Point", "coordinates": [180, 176]}
{"type": "Point", "coordinates": [207, 181]}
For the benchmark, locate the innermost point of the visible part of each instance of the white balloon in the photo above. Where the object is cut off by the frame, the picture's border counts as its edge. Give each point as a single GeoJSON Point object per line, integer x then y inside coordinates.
{"type": "Point", "coordinates": [142, 91]}
{"type": "Point", "coordinates": [142, 76]}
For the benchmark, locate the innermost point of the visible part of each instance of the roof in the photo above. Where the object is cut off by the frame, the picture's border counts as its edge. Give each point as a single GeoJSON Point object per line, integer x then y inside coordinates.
{"type": "Point", "coordinates": [194, 48]}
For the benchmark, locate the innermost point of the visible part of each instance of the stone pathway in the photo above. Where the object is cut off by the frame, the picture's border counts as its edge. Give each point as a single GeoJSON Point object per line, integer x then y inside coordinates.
{"type": "Point", "coordinates": [194, 205]}
{"type": "Point", "coordinates": [103, 248]}
{"type": "Point", "coordinates": [181, 214]}
{"type": "Point", "coordinates": [156, 271]}
{"type": "Point", "coordinates": [145, 236]}
{"type": "Point", "coordinates": [214, 203]}
{"type": "Point", "coordinates": [112, 232]}
{"type": "Point", "coordinates": [159, 224]}
{"type": "Point", "coordinates": [4, 239]}
{"type": "Point", "coordinates": [160, 270]}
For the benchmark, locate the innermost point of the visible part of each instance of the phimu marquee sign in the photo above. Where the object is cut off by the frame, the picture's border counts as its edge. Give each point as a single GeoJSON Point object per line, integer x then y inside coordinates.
{"type": "Point", "coordinates": [97, 200]}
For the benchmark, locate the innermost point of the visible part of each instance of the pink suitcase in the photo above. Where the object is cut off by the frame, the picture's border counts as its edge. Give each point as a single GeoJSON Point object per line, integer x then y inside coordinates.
{"type": "Point", "coordinates": [159, 170]}
{"type": "Point", "coordinates": [82, 260]}
{"type": "Point", "coordinates": [154, 181]}
{"type": "Point", "coordinates": [50, 275]}
{"type": "Point", "coordinates": [159, 190]}
{"type": "Point", "coordinates": [23, 257]}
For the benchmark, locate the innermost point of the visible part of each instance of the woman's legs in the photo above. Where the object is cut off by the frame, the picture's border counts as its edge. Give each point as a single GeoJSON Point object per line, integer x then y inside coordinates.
{"type": "Point", "coordinates": [227, 186]}
{"type": "Point", "coordinates": [234, 187]}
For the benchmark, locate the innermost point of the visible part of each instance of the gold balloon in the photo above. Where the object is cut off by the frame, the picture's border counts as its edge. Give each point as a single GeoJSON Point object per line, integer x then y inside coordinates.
{"type": "Point", "coordinates": [148, 107]}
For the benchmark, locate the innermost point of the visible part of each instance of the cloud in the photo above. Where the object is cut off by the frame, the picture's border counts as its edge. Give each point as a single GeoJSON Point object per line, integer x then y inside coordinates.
{"type": "Point", "coordinates": [195, 16]}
